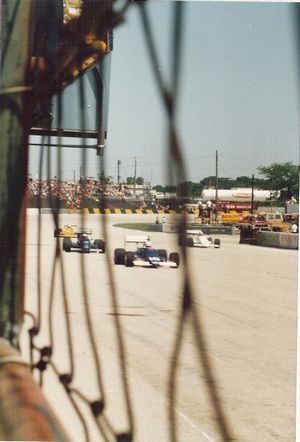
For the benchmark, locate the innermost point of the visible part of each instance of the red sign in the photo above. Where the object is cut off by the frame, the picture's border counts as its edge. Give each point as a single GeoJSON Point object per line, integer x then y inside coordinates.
{"type": "Point", "coordinates": [236, 206]}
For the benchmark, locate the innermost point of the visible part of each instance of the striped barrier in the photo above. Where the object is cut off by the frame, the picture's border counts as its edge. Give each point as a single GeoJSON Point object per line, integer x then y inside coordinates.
{"type": "Point", "coordinates": [115, 211]}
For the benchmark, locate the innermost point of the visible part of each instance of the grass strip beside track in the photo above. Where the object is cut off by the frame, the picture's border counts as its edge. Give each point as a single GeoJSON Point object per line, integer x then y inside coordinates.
{"type": "Point", "coordinates": [145, 227]}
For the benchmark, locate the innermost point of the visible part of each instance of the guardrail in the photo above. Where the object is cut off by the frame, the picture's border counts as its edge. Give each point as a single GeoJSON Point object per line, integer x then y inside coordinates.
{"type": "Point", "coordinates": [207, 229]}
{"type": "Point", "coordinates": [278, 239]}
{"type": "Point", "coordinates": [210, 229]}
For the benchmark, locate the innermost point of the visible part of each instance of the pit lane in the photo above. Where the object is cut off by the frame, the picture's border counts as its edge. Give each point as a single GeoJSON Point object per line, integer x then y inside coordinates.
{"type": "Point", "coordinates": [246, 298]}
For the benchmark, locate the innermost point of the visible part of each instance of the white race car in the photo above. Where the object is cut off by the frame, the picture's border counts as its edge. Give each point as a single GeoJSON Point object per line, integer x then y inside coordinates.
{"type": "Point", "coordinates": [196, 238]}
{"type": "Point", "coordinates": [144, 255]}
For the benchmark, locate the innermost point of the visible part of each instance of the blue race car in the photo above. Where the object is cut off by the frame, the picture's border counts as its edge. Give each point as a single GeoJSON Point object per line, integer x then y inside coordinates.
{"type": "Point", "coordinates": [145, 255]}
{"type": "Point", "coordinates": [82, 243]}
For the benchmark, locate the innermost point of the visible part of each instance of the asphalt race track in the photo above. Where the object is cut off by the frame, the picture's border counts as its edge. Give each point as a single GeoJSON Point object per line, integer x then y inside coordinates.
{"type": "Point", "coordinates": [246, 299]}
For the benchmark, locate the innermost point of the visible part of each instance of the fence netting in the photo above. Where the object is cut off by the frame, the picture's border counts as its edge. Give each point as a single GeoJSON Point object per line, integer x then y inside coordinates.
{"type": "Point", "coordinates": [71, 39]}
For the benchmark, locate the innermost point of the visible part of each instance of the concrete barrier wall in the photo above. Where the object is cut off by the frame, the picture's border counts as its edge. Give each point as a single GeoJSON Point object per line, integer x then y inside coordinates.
{"type": "Point", "coordinates": [32, 211]}
{"type": "Point", "coordinates": [278, 239]}
{"type": "Point", "coordinates": [170, 227]}
{"type": "Point", "coordinates": [206, 229]}
{"type": "Point", "coordinates": [289, 240]}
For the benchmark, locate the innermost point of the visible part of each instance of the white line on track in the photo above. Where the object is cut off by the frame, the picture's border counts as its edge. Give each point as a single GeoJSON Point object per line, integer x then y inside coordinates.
{"type": "Point", "coordinates": [191, 423]}
{"type": "Point", "coordinates": [204, 435]}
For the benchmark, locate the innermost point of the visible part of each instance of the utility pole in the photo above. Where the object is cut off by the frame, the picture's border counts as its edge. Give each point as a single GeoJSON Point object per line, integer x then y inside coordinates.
{"type": "Point", "coordinates": [252, 195]}
{"type": "Point", "coordinates": [134, 178]}
{"type": "Point", "coordinates": [217, 186]}
{"type": "Point", "coordinates": [119, 175]}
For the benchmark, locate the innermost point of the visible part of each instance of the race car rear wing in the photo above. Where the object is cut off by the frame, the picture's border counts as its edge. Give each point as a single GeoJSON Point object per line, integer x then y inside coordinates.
{"type": "Point", "coordinates": [71, 231]}
{"type": "Point", "coordinates": [80, 231]}
{"type": "Point", "coordinates": [194, 232]}
{"type": "Point", "coordinates": [136, 239]}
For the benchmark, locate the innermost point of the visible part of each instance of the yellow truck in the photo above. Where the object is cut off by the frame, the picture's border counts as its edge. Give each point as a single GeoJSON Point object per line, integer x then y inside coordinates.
{"type": "Point", "coordinates": [276, 221]}
{"type": "Point", "coordinates": [232, 217]}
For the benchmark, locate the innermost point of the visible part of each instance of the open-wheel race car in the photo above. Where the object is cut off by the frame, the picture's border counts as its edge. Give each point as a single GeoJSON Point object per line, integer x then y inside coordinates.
{"type": "Point", "coordinates": [196, 238]}
{"type": "Point", "coordinates": [69, 231]}
{"type": "Point", "coordinates": [77, 239]}
{"type": "Point", "coordinates": [144, 254]}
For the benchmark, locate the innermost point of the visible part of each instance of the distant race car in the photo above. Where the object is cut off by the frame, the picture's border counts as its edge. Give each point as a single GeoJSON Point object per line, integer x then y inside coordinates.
{"type": "Point", "coordinates": [82, 241]}
{"type": "Point", "coordinates": [70, 231]}
{"type": "Point", "coordinates": [196, 238]}
{"type": "Point", "coordinates": [144, 255]}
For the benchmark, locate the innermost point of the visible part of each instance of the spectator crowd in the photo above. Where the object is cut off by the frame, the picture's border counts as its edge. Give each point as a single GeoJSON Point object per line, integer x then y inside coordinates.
{"type": "Point", "coordinates": [73, 193]}
{"type": "Point", "coordinates": [90, 191]}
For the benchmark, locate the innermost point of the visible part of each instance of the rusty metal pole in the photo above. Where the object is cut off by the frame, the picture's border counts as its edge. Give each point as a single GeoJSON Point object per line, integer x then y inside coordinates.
{"type": "Point", "coordinates": [217, 189]}
{"type": "Point", "coordinates": [15, 21]}
{"type": "Point", "coordinates": [252, 194]}
{"type": "Point", "coordinates": [24, 412]}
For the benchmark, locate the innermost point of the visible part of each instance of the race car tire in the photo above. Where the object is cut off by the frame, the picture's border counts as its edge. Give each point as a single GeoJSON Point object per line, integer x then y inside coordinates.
{"type": "Point", "coordinates": [217, 242]}
{"type": "Point", "coordinates": [129, 257]}
{"type": "Point", "coordinates": [174, 257]}
{"type": "Point", "coordinates": [181, 240]}
{"type": "Point", "coordinates": [119, 256]}
{"type": "Point", "coordinates": [189, 242]}
{"type": "Point", "coordinates": [67, 244]}
{"type": "Point", "coordinates": [210, 239]}
{"type": "Point", "coordinates": [163, 254]}
{"type": "Point", "coordinates": [100, 244]}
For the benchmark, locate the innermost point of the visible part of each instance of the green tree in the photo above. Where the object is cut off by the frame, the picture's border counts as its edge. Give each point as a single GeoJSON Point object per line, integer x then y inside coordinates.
{"type": "Point", "coordinates": [140, 180]}
{"type": "Point", "coordinates": [223, 183]}
{"type": "Point", "coordinates": [191, 189]}
{"type": "Point", "coordinates": [130, 180]}
{"type": "Point", "coordinates": [159, 188]}
{"type": "Point", "coordinates": [105, 179]}
{"type": "Point", "coordinates": [229, 183]}
{"type": "Point", "coordinates": [164, 189]}
{"type": "Point", "coordinates": [170, 189]}
{"type": "Point", "coordinates": [243, 181]}
{"type": "Point", "coordinates": [282, 177]}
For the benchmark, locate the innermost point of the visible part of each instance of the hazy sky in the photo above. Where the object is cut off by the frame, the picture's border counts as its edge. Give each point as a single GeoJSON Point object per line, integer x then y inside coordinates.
{"type": "Point", "coordinates": [239, 92]}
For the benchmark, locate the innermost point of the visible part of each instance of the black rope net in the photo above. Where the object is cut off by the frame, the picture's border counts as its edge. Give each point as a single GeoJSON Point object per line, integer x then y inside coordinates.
{"type": "Point", "coordinates": [84, 39]}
